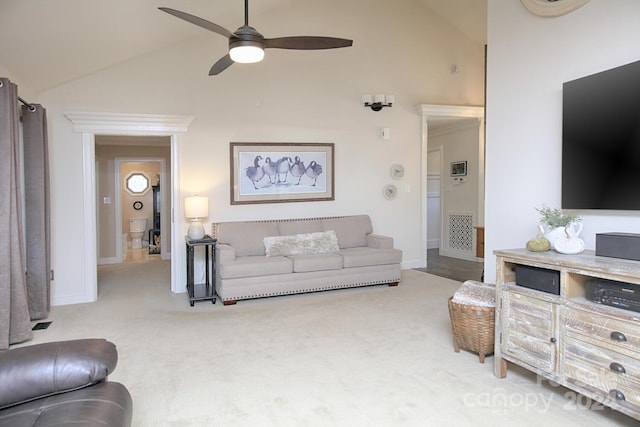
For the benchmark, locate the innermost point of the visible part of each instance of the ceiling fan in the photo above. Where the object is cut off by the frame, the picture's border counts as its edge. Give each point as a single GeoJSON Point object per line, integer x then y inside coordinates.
{"type": "Point", "coordinates": [246, 45]}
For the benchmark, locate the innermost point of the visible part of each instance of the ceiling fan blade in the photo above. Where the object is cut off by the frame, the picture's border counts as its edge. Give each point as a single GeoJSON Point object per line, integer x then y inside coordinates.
{"type": "Point", "coordinates": [208, 25]}
{"type": "Point", "coordinates": [307, 43]}
{"type": "Point", "coordinates": [221, 65]}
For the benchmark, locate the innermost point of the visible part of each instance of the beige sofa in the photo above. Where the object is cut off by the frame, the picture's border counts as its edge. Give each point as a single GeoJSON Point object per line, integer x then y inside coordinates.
{"type": "Point", "coordinates": [257, 259]}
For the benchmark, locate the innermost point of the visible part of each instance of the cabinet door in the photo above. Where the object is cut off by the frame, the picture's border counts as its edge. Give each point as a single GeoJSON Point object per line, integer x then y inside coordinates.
{"type": "Point", "coordinates": [530, 331]}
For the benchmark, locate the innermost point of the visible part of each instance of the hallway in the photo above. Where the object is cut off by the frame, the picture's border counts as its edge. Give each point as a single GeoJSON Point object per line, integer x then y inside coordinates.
{"type": "Point", "coordinates": [141, 254]}
{"type": "Point", "coordinates": [452, 268]}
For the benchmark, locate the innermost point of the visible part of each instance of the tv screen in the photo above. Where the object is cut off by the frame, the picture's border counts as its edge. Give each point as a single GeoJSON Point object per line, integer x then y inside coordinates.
{"type": "Point", "coordinates": [601, 140]}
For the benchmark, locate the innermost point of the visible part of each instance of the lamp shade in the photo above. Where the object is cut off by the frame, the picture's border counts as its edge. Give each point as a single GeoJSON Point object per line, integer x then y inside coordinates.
{"type": "Point", "coordinates": [196, 207]}
{"type": "Point", "coordinates": [246, 54]}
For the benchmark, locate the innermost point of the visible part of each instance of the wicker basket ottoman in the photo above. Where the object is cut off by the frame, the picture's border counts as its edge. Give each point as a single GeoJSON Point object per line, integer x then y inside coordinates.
{"type": "Point", "coordinates": [473, 327]}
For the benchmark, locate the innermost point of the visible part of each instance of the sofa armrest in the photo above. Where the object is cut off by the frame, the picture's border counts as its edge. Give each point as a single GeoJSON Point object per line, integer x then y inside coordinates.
{"type": "Point", "coordinates": [377, 241]}
{"type": "Point", "coordinates": [225, 253]}
{"type": "Point", "coordinates": [33, 372]}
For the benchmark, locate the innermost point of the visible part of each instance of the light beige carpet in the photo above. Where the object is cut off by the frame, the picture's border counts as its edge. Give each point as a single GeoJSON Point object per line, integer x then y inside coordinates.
{"type": "Point", "coordinates": [375, 356]}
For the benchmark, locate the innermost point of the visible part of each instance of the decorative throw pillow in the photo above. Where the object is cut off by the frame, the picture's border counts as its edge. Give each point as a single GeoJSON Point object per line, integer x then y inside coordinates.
{"type": "Point", "coordinates": [302, 244]}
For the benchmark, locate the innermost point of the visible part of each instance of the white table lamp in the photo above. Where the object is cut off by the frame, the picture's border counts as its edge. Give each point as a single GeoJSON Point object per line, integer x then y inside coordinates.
{"type": "Point", "coordinates": [196, 208]}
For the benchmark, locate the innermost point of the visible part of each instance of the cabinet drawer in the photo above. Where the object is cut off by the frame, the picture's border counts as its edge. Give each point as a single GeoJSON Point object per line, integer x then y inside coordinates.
{"type": "Point", "coordinates": [530, 334]}
{"type": "Point", "coordinates": [611, 363]}
{"type": "Point", "coordinates": [613, 333]}
{"type": "Point", "coordinates": [615, 388]}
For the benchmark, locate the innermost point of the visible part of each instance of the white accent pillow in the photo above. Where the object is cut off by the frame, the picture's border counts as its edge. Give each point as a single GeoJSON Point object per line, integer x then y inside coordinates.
{"type": "Point", "coordinates": [302, 244]}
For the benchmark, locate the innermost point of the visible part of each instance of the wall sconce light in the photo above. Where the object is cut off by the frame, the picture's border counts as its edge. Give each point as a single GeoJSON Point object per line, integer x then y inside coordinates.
{"type": "Point", "coordinates": [196, 208]}
{"type": "Point", "coordinates": [377, 102]}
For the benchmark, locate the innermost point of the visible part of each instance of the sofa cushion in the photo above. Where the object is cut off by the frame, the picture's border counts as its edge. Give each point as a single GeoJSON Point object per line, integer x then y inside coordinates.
{"type": "Point", "coordinates": [249, 266]}
{"type": "Point", "coordinates": [246, 237]}
{"type": "Point", "coordinates": [289, 227]}
{"type": "Point", "coordinates": [362, 257]}
{"type": "Point", "coordinates": [351, 231]}
{"type": "Point", "coordinates": [106, 404]}
{"type": "Point", "coordinates": [301, 244]}
{"type": "Point", "coordinates": [322, 262]}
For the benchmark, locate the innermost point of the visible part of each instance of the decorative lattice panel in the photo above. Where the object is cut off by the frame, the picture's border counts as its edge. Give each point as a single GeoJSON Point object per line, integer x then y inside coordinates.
{"type": "Point", "coordinates": [461, 231]}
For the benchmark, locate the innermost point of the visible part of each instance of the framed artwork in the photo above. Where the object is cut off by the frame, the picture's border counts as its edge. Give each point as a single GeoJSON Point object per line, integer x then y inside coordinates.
{"type": "Point", "coordinates": [459, 168]}
{"type": "Point", "coordinates": [281, 172]}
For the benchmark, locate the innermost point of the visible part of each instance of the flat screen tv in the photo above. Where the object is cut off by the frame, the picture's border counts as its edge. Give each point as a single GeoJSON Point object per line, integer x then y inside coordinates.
{"type": "Point", "coordinates": [601, 140]}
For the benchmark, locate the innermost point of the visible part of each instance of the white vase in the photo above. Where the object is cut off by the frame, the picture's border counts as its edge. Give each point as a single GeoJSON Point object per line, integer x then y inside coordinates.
{"type": "Point", "coordinates": [574, 229]}
{"type": "Point", "coordinates": [569, 245]}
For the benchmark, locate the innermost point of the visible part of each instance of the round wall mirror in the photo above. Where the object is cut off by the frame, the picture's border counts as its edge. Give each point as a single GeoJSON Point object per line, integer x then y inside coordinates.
{"type": "Point", "coordinates": [137, 183]}
{"type": "Point", "coordinates": [551, 8]}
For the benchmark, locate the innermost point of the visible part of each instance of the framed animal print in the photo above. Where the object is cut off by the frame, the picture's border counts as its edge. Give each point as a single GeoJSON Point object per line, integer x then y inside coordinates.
{"type": "Point", "coordinates": [281, 172]}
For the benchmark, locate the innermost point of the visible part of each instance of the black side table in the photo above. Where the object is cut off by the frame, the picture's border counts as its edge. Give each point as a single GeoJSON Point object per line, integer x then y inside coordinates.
{"type": "Point", "coordinates": [153, 248]}
{"type": "Point", "coordinates": [204, 291]}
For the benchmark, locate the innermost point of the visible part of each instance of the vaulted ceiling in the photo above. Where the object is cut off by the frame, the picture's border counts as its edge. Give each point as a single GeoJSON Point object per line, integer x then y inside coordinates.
{"type": "Point", "coordinates": [46, 43]}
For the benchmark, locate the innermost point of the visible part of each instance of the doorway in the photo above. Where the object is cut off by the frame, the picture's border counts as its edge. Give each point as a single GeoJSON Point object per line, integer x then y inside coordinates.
{"type": "Point", "coordinates": [435, 119]}
{"type": "Point", "coordinates": [91, 124]}
{"type": "Point", "coordinates": [143, 207]}
{"type": "Point", "coordinates": [144, 159]}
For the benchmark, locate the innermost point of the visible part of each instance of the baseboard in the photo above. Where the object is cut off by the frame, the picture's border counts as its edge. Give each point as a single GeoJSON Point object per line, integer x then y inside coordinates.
{"type": "Point", "coordinates": [466, 256]}
{"type": "Point", "coordinates": [433, 244]}
{"type": "Point", "coordinates": [110, 260]}
{"type": "Point", "coordinates": [70, 299]}
{"type": "Point", "coordinates": [408, 265]}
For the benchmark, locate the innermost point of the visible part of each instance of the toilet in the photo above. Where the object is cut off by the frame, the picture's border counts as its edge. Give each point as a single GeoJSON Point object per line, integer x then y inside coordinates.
{"type": "Point", "coordinates": [137, 227]}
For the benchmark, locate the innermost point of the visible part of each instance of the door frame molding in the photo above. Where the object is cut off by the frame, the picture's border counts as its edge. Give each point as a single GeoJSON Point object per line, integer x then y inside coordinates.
{"type": "Point", "coordinates": [90, 124]}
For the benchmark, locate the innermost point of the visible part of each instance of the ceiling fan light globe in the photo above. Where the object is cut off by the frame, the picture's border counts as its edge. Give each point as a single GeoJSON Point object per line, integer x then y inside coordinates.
{"type": "Point", "coordinates": [246, 54]}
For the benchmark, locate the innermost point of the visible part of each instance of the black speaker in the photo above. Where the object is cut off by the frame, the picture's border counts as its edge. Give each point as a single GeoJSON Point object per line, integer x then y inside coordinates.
{"type": "Point", "coordinates": [540, 279]}
{"type": "Point", "coordinates": [618, 245]}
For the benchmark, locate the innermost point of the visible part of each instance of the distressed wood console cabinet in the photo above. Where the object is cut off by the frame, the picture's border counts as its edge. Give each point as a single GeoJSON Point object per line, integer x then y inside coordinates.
{"type": "Point", "coordinates": [587, 347]}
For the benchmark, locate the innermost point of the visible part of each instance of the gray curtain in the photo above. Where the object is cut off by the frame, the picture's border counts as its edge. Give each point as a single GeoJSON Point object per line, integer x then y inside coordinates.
{"type": "Point", "coordinates": [15, 325]}
{"type": "Point", "coordinates": [36, 205]}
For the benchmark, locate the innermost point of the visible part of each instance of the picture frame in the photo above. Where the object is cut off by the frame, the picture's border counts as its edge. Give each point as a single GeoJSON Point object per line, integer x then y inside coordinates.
{"type": "Point", "coordinates": [459, 168]}
{"type": "Point", "coordinates": [267, 172]}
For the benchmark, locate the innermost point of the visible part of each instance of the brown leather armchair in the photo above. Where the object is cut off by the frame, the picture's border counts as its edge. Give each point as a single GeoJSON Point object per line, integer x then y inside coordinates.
{"type": "Point", "coordinates": [62, 383]}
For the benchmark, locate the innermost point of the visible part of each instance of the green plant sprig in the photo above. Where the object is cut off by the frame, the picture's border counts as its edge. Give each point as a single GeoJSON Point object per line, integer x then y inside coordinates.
{"type": "Point", "coordinates": [555, 217]}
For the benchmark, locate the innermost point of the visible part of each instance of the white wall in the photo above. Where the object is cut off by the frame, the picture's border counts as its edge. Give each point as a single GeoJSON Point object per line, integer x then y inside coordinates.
{"type": "Point", "coordinates": [529, 58]}
{"type": "Point", "coordinates": [399, 48]}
